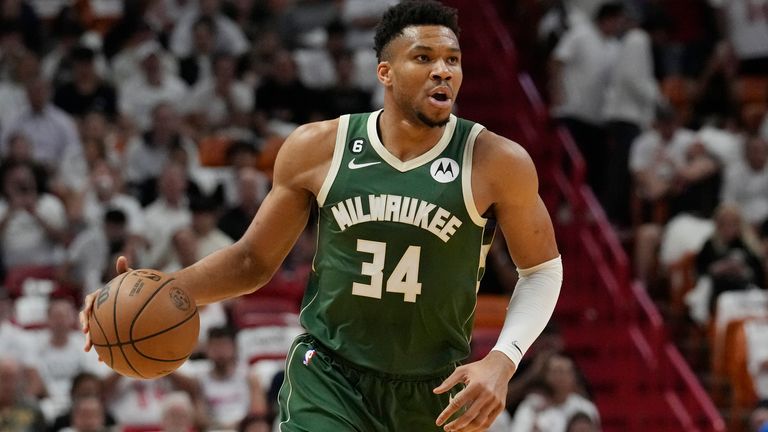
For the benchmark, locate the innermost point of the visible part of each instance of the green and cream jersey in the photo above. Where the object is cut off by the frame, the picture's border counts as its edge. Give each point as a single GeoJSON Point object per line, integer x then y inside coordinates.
{"type": "Point", "coordinates": [400, 252]}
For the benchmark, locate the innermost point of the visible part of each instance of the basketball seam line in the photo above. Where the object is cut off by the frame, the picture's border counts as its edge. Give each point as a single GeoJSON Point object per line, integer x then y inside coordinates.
{"type": "Point", "coordinates": [117, 335]}
{"type": "Point", "coordinates": [134, 341]}
{"type": "Point", "coordinates": [138, 351]}
{"type": "Point", "coordinates": [103, 333]}
{"type": "Point", "coordinates": [144, 306]}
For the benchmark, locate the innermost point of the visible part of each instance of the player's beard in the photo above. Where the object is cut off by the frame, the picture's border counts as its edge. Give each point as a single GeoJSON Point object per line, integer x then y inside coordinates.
{"type": "Point", "coordinates": [432, 123]}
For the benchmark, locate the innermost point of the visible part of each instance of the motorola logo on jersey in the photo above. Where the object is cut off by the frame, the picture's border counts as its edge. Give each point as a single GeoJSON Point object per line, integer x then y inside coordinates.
{"type": "Point", "coordinates": [444, 170]}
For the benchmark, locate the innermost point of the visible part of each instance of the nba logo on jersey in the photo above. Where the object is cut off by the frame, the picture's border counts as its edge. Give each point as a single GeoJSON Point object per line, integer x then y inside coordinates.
{"type": "Point", "coordinates": [444, 170]}
{"type": "Point", "coordinates": [308, 357]}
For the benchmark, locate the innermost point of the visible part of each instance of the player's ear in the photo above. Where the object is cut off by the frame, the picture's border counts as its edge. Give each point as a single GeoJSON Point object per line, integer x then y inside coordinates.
{"type": "Point", "coordinates": [384, 73]}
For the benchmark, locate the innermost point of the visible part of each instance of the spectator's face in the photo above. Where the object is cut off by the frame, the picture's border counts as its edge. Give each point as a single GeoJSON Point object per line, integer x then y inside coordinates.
{"type": "Point", "coordinates": [37, 94]}
{"type": "Point", "coordinates": [202, 37]}
{"type": "Point", "coordinates": [249, 187]}
{"type": "Point", "coordinates": [560, 374]}
{"type": "Point", "coordinates": [88, 416]}
{"type": "Point", "coordinates": [284, 69]}
{"type": "Point", "coordinates": [164, 119]}
{"type": "Point", "coordinates": [173, 183]}
{"type": "Point", "coordinates": [115, 232]}
{"type": "Point", "coordinates": [203, 222]}
{"type": "Point", "coordinates": [94, 126]}
{"type": "Point", "coordinates": [613, 26]}
{"type": "Point", "coordinates": [61, 316]}
{"type": "Point", "coordinates": [20, 181]}
{"type": "Point", "coordinates": [20, 149]}
{"type": "Point", "coordinates": [88, 387]}
{"type": "Point", "coordinates": [225, 68]}
{"type": "Point", "coordinates": [84, 71]}
{"type": "Point", "coordinates": [757, 153]}
{"type": "Point", "coordinates": [103, 180]}
{"type": "Point", "coordinates": [666, 129]}
{"type": "Point", "coordinates": [28, 66]}
{"type": "Point", "coordinates": [345, 69]}
{"type": "Point", "coordinates": [209, 7]}
{"type": "Point", "coordinates": [221, 352]}
{"type": "Point", "coordinates": [152, 66]}
{"type": "Point", "coordinates": [728, 223]}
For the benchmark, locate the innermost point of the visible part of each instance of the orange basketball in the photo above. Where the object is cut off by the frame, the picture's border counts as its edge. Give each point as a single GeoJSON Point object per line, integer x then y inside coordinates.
{"type": "Point", "coordinates": [143, 324]}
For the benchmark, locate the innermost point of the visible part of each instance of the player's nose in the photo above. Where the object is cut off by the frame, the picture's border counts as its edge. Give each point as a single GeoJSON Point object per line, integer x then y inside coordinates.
{"type": "Point", "coordinates": [441, 71]}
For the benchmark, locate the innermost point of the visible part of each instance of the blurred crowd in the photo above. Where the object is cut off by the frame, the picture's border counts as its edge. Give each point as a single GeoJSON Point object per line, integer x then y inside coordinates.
{"type": "Point", "coordinates": [666, 101]}
{"type": "Point", "coordinates": [148, 129]}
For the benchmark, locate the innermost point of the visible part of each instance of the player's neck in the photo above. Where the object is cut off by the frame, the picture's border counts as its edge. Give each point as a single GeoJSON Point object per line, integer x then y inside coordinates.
{"type": "Point", "coordinates": [406, 139]}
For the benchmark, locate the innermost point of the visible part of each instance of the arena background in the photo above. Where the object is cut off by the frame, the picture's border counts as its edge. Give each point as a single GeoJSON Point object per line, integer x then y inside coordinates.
{"type": "Point", "coordinates": [149, 128]}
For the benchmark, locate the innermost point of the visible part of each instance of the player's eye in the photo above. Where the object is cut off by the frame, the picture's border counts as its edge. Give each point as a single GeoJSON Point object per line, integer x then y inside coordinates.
{"type": "Point", "coordinates": [423, 58]}
{"type": "Point", "coordinates": [453, 60]}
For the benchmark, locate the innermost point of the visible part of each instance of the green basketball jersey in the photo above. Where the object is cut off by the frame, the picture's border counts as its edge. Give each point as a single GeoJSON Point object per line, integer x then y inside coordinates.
{"type": "Point", "coordinates": [400, 252]}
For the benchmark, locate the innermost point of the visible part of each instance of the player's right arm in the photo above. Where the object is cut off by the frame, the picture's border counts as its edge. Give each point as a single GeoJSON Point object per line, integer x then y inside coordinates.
{"type": "Point", "coordinates": [300, 168]}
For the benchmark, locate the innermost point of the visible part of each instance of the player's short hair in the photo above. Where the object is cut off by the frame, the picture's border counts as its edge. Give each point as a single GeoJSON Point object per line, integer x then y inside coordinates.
{"type": "Point", "coordinates": [409, 13]}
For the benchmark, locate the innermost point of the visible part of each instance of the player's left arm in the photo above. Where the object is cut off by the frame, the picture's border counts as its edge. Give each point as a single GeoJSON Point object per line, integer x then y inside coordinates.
{"type": "Point", "coordinates": [504, 181]}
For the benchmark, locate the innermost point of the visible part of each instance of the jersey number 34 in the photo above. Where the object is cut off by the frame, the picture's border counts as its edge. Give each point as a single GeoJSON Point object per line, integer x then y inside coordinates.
{"type": "Point", "coordinates": [404, 279]}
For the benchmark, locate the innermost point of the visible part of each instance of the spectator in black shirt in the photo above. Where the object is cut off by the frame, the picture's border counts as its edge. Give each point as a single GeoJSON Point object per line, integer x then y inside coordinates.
{"type": "Point", "coordinates": [727, 257]}
{"type": "Point", "coordinates": [282, 96]}
{"type": "Point", "coordinates": [87, 91]}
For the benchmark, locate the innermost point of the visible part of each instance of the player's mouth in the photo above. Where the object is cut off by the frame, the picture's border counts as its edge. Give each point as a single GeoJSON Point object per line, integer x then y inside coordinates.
{"type": "Point", "coordinates": [441, 97]}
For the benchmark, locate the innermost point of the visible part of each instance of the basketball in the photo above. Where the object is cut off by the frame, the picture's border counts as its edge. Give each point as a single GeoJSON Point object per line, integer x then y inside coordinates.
{"type": "Point", "coordinates": [143, 324]}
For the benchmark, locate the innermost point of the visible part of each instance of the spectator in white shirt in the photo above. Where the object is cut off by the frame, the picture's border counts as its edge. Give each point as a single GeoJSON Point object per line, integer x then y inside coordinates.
{"type": "Point", "coordinates": [126, 64]}
{"type": "Point", "coordinates": [202, 237]}
{"type": "Point", "coordinates": [221, 101]}
{"type": "Point", "coordinates": [198, 65]}
{"type": "Point", "coordinates": [59, 356]}
{"type": "Point", "coordinates": [630, 106]}
{"type": "Point", "coordinates": [746, 27]}
{"type": "Point", "coordinates": [581, 66]}
{"type": "Point", "coordinates": [228, 388]}
{"type": "Point", "coordinates": [88, 415]}
{"type": "Point", "coordinates": [229, 37]}
{"type": "Point", "coordinates": [32, 225]}
{"type": "Point", "coordinates": [552, 410]}
{"type": "Point", "coordinates": [139, 95]}
{"type": "Point", "coordinates": [13, 93]}
{"type": "Point", "coordinates": [746, 183]}
{"type": "Point", "coordinates": [167, 215]}
{"type": "Point", "coordinates": [51, 131]}
{"type": "Point", "coordinates": [148, 153]}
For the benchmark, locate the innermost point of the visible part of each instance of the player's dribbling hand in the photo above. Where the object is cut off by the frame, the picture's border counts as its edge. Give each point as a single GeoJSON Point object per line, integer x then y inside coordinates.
{"type": "Point", "coordinates": [122, 266]}
{"type": "Point", "coordinates": [483, 397]}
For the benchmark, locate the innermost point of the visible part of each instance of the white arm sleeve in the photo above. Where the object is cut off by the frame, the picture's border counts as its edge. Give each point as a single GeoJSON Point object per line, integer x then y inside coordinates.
{"type": "Point", "coordinates": [530, 308]}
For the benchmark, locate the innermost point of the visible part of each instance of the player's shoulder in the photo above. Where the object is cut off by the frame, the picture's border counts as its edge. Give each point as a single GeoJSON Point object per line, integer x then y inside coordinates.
{"type": "Point", "coordinates": [503, 166]}
{"type": "Point", "coordinates": [305, 151]}
{"type": "Point", "coordinates": [495, 151]}
{"type": "Point", "coordinates": [314, 133]}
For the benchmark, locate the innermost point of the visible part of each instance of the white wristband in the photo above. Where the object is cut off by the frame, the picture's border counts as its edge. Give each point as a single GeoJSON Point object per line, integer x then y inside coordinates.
{"type": "Point", "coordinates": [530, 308]}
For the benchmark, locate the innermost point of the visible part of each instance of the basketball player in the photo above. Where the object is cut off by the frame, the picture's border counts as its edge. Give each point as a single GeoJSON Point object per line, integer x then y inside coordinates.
{"type": "Point", "coordinates": [408, 198]}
